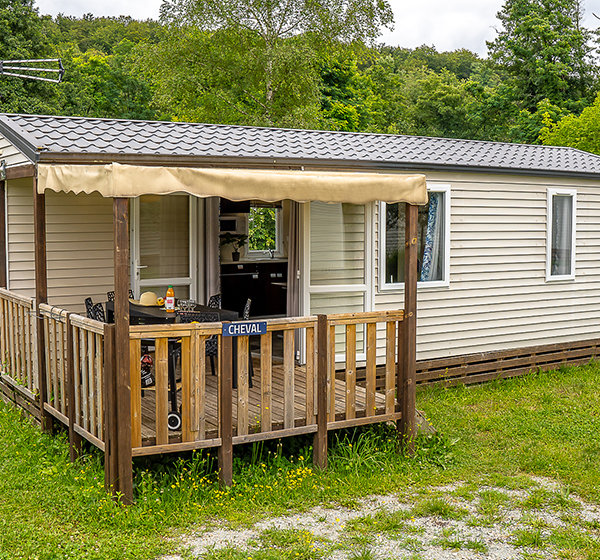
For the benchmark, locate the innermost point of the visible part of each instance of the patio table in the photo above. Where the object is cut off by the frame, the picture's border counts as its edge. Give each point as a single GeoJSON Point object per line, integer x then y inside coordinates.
{"type": "Point", "coordinates": [153, 315]}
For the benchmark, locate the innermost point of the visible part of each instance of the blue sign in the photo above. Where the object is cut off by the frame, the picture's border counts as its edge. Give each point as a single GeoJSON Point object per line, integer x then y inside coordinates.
{"type": "Point", "coordinates": [245, 328]}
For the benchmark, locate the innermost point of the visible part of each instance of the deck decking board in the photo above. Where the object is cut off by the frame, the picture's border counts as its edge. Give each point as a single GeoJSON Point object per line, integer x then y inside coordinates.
{"type": "Point", "coordinates": [254, 404]}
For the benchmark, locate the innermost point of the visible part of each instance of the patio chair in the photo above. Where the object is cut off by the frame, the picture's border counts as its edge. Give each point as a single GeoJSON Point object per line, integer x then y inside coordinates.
{"type": "Point", "coordinates": [212, 342]}
{"type": "Point", "coordinates": [98, 312]}
{"type": "Point", "coordinates": [110, 296]}
{"type": "Point", "coordinates": [214, 301]}
{"type": "Point", "coordinates": [89, 308]}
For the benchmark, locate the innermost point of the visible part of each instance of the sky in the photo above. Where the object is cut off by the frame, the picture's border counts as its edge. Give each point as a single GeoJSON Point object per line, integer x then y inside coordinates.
{"type": "Point", "coordinates": [445, 24]}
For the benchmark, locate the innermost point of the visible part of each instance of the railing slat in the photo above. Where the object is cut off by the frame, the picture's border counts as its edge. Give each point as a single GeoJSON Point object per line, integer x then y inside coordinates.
{"type": "Point", "coordinates": [288, 378]}
{"type": "Point", "coordinates": [266, 382]}
{"type": "Point", "coordinates": [3, 325]}
{"type": "Point", "coordinates": [77, 374]}
{"type": "Point", "coordinates": [198, 391]}
{"type": "Point", "coordinates": [243, 355]}
{"type": "Point", "coordinates": [311, 405]}
{"type": "Point", "coordinates": [83, 348]}
{"type": "Point", "coordinates": [331, 375]}
{"type": "Point", "coordinates": [135, 356]}
{"type": "Point", "coordinates": [100, 383]}
{"type": "Point", "coordinates": [390, 368]}
{"type": "Point", "coordinates": [62, 368]}
{"type": "Point", "coordinates": [371, 368]}
{"type": "Point", "coordinates": [22, 354]}
{"type": "Point", "coordinates": [350, 371]}
{"type": "Point", "coordinates": [92, 381]}
{"type": "Point", "coordinates": [11, 336]}
{"type": "Point", "coordinates": [162, 390]}
{"type": "Point", "coordinates": [186, 390]}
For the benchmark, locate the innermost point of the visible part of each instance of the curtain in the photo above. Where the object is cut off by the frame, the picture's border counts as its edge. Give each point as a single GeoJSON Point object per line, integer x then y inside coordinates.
{"type": "Point", "coordinates": [562, 231]}
{"type": "Point", "coordinates": [433, 251]}
{"type": "Point", "coordinates": [211, 247]}
{"type": "Point", "coordinates": [293, 282]}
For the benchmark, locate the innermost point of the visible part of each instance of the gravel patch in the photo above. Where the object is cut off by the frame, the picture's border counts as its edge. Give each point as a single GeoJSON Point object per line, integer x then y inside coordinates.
{"type": "Point", "coordinates": [458, 522]}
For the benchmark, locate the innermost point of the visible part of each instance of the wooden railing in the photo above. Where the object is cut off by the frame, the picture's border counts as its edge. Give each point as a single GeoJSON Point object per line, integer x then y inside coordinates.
{"type": "Point", "coordinates": [261, 390]}
{"type": "Point", "coordinates": [17, 343]}
{"type": "Point", "coordinates": [382, 405]}
{"type": "Point", "coordinates": [75, 368]}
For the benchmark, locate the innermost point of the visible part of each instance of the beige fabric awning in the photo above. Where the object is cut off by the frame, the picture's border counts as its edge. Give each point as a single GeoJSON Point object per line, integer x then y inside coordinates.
{"type": "Point", "coordinates": [116, 180]}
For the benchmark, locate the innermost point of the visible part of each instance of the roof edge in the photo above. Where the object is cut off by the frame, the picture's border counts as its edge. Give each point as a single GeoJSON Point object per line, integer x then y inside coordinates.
{"type": "Point", "coordinates": [297, 163]}
{"type": "Point", "coordinates": [20, 139]}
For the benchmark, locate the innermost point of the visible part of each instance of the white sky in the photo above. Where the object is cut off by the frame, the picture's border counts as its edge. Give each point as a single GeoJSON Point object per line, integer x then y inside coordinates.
{"type": "Point", "coordinates": [446, 24]}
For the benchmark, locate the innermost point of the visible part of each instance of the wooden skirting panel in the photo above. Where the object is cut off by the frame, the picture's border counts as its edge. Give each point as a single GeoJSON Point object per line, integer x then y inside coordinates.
{"type": "Point", "coordinates": [486, 366]}
{"type": "Point", "coordinates": [10, 394]}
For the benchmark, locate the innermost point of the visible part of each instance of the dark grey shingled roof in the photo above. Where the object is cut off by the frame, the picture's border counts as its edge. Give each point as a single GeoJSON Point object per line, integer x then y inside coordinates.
{"type": "Point", "coordinates": [49, 138]}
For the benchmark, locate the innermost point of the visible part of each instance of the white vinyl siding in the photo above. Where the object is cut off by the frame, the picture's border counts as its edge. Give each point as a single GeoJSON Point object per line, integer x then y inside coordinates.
{"type": "Point", "coordinates": [10, 154]}
{"type": "Point", "coordinates": [498, 297]}
{"type": "Point", "coordinates": [79, 245]}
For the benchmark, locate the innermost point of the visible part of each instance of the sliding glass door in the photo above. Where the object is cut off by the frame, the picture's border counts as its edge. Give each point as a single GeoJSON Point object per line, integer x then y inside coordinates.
{"type": "Point", "coordinates": [164, 246]}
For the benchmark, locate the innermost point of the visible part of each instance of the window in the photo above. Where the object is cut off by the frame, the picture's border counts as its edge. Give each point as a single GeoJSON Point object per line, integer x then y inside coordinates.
{"type": "Point", "coordinates": [433, 241]}
{"type": "Point", "coordinates": [560, 246]}
{"type": "Point", "coordinates": [264, 229]}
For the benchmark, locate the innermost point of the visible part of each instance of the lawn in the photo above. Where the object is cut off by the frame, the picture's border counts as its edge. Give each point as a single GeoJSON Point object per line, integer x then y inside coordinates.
{"type": "Point", "coordinates": [498, 434]}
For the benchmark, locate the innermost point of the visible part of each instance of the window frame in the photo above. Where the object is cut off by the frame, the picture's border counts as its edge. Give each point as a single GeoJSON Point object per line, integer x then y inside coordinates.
{"type": "Point", "coordinates": [551, 193]}
{"type": "Point", "coordinates": [385, 286]}
{"type": "Point", "coordinates": [264, 253]}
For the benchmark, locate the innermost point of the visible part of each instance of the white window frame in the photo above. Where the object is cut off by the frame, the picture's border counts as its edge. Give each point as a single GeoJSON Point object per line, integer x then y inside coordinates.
{"type": "Point", "coordinates": [549, 217]}
{"type": "Point", "coordinates": [396, 286]}
{"type": "Point", "coordinates": [137, 284]}
{"type": "Point", "coordinates": [264, 253]}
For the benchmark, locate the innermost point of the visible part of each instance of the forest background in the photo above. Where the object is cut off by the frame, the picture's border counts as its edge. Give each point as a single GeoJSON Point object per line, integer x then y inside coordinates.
{"type": "Point", "coordinates": [287, 63]}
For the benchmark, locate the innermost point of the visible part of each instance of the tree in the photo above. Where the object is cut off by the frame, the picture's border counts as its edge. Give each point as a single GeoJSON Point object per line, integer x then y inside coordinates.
{"type": "Point", "coordinates": [23, 36]}
{"type": "Point", "coordinates": [277, 44]}
{"type": "Point", "coordinates": [582, 132]}
{"type": "Point", "coordinates": [547, 53]}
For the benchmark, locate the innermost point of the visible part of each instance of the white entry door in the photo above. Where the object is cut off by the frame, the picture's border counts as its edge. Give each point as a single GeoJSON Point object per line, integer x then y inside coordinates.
{"type": "Point", "coordinates": [336, 253]}
{"type": "Point", "coordinates": [164, 244]}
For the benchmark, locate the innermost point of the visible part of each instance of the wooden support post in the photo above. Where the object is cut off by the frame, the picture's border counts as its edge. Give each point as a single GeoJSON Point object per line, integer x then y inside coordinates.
{"type": "Point", "coordinates": [226, 412]}
{"type": "Point", "coordinates": [320, 438]}
{"type": "Point", "coordinates": [74, 437]}
{"type": "Point", "coordinates": [3, 249]}
{"type": "Point", "coordinates": [122, 375]}
{"type": "Point", "coordinates": [407, 368]}
{"type": "Point", "coordinates": [41, 296]}
{"type": "Point", "coordinates": [111, 470]}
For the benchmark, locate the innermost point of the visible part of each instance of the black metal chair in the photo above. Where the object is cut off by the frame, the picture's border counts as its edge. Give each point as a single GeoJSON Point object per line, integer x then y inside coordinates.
{"type": "Point", "coordinates": [212, 342]}
{"type": "Point", "coordinates": [98, 311]}
{"type": "Point", "coordinates": [89, 308]}
{"type": "Point", "coordinates": [110, 296]}
{"type": "Point", "coordinates": [214, 301]}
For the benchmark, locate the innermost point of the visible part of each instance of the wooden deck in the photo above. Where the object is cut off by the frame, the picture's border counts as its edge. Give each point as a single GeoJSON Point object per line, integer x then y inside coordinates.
{"type": "Point", "coordinates": [149, 404]}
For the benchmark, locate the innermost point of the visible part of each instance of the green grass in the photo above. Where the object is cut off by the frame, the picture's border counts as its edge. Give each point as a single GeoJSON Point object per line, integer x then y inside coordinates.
{"type": "Point", "coordinates": [496, 435]}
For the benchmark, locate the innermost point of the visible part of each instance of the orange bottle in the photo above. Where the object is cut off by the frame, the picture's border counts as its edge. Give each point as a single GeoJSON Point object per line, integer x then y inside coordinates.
{"type": "Point", "coordinates": [170, 300]}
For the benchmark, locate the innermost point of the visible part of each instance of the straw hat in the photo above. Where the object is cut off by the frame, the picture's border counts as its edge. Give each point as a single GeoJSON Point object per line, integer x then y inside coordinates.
{"type": "Point", "coordinates": [147, 299]}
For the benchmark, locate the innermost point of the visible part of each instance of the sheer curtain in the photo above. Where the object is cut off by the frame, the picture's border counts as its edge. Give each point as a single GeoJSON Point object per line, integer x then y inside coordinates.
{"type": "Point", "coordinates": [211, 247]}
{"type": "Point", "coordinates": [433, 251]}
{"type": "Point", "coordinates": [562, 231]}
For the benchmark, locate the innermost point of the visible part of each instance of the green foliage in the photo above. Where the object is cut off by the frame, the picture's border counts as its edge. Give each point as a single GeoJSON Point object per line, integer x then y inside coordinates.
{"type": "Point", "coordinates": [262, 229]}
{"type": "Point", "coordinates": [546, 51]}
{"type": "Point", "coordinates": [247, 62]}
{"type": "Point", "coordinates": [349, 102]}
{"type": "Point", "coordinates": [582, 132]}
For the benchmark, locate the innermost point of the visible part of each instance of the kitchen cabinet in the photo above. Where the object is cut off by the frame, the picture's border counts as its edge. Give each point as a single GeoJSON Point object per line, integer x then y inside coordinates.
{"type": "Point", "coordinates": [264, 282]}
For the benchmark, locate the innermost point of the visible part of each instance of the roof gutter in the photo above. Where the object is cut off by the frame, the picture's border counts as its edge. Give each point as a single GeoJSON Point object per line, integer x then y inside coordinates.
{"type": "Point", "coordinates": [152, 160]}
